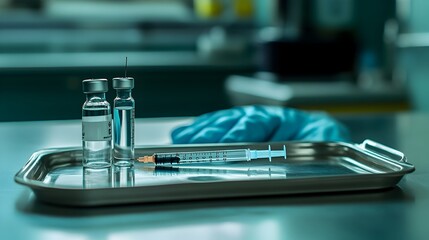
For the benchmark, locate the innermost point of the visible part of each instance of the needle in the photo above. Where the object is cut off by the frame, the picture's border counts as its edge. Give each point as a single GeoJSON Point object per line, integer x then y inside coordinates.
{"type": "Point", "coordinates": [126, 66]}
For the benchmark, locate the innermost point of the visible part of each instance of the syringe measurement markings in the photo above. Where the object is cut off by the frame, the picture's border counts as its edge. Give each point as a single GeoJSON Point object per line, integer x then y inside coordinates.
{"type": "Point", "coordinates": [197, 157]}
{"type": "Point", "coordinates": [213, 156]}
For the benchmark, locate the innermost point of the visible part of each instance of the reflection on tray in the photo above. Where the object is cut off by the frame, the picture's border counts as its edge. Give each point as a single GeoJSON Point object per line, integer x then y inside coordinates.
{"type": "Point", "coordinates": [123, 177]}
{"type": "Point", "coordinates": [118, 177]}
{"type": "Point", "coordinates": [108, 177]}
{"type": "Point", "coordinates": [176, 170]}
{"type": "Point", "coordinates": [96, 178]}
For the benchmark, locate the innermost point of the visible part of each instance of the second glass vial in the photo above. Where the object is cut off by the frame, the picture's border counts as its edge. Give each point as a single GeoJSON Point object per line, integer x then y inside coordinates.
{"type": "Point", "coordinates": [123, 122]}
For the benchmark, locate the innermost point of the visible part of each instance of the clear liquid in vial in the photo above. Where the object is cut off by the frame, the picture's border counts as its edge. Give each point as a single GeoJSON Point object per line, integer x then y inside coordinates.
{"type": "Point", "coordinates": [123, 151]}
{"type": "Point", "coordinates": [97, 153]}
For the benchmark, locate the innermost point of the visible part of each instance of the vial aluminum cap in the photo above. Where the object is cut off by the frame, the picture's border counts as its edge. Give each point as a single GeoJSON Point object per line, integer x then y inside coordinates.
{"type": "Point", "coordinates": [94, 85]}
{"type": "Point", "coordinates": [123, 83]}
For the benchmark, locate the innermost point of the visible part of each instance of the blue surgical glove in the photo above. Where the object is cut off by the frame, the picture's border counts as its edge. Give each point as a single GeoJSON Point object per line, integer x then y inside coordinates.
{"type": "Point", "coordinates": [260, 124]}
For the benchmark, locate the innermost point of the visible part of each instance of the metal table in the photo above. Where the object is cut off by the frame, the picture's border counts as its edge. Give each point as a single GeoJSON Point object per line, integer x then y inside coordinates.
{"type": "Point", "coordinates": [397, 213]}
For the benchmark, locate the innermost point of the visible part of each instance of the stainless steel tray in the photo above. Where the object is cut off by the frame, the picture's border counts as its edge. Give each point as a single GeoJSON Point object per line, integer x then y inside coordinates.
{"type": "Point", "coordinates": [57, 176]}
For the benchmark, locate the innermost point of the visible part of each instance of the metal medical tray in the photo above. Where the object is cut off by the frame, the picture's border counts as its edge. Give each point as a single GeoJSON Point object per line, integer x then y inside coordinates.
{"type": "Point", "coordinates": [57, 176]}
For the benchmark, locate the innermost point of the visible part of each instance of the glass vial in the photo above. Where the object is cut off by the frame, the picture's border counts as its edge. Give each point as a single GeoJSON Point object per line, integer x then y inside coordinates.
{"type": "Point", "coordinates": [123, 121]}
{"type": "Point", "coordinates": [96, 125]}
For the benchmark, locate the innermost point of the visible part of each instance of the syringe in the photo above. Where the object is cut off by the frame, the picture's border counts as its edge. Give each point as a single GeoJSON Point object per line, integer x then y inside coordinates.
{"type": "Point", "coordinates": [233, 155]}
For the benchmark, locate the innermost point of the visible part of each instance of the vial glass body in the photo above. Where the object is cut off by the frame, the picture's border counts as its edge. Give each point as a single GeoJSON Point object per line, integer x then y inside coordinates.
{"type": "Point", "coordinates": [123, 119]}
{"type": "Point", "coordinates": [96, 131]}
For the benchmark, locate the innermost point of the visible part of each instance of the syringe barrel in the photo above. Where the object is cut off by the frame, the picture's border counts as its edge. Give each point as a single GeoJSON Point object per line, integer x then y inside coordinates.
{"type": "Point", "coordinates": [204, 156]}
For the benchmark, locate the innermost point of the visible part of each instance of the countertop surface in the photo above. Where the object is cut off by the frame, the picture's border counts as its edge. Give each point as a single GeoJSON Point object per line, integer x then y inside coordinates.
{"type": "Point", "coordinates": [398, 213]}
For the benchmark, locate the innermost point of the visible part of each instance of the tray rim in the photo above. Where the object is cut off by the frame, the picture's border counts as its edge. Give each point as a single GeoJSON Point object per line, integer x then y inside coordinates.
{"type": "Point", "coordinates": [80, 197]}
{"type": "Point", "coordinates": [20, 176]}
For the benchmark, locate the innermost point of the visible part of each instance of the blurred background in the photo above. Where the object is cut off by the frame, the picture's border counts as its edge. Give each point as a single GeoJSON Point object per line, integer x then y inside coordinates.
{"type": "Point", "coordinates": [189, 57]}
